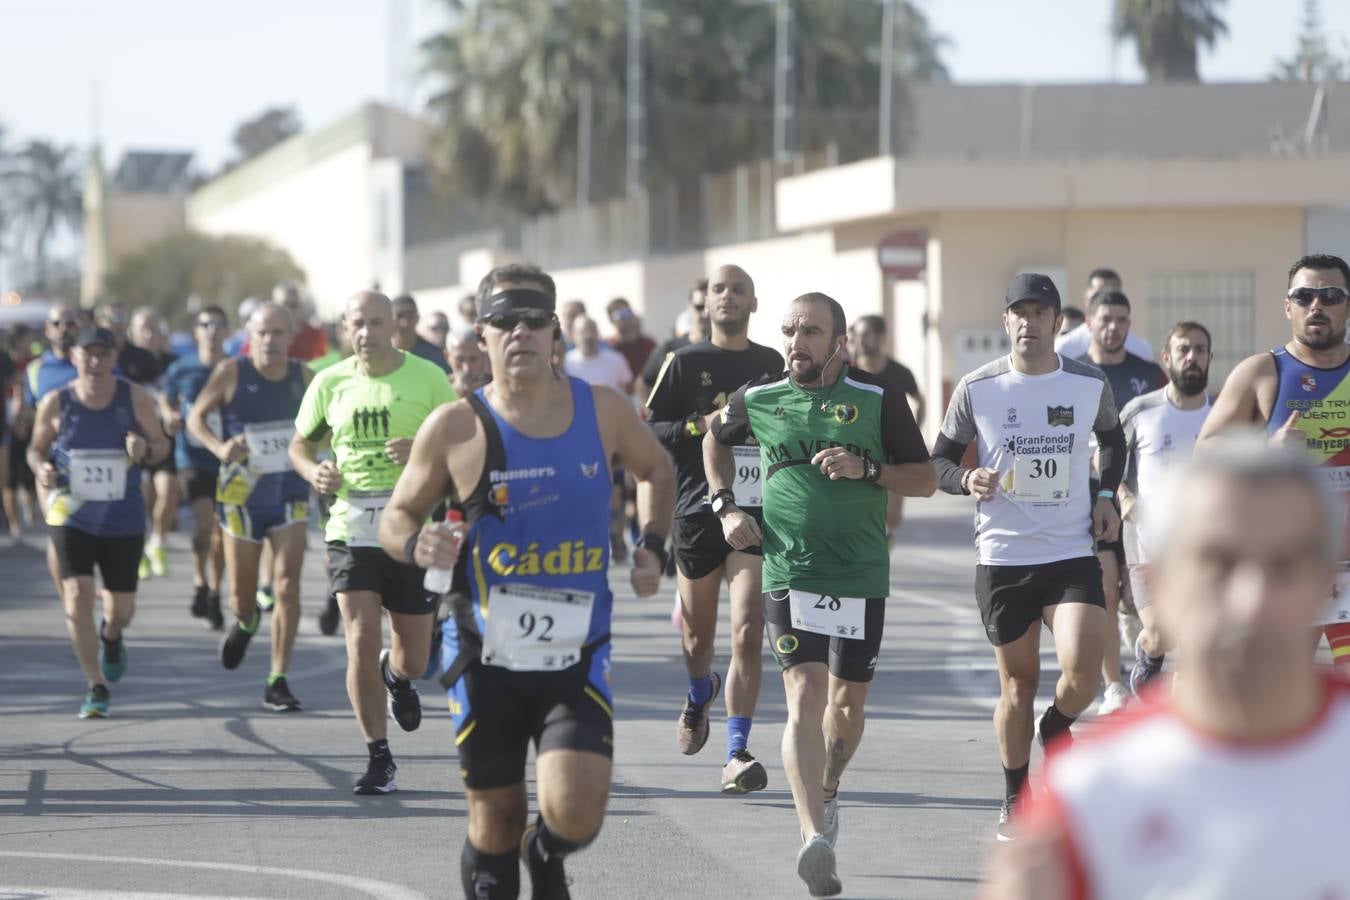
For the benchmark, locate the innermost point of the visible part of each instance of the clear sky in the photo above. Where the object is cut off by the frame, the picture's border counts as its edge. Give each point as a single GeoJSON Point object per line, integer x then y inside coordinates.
{"type": "Point", "coordinates": [180, 74]}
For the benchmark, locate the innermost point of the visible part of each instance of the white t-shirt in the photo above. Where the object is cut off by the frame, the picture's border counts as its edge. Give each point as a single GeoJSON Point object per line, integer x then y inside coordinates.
{"type": "Point", "coordinates": [1035, 430]}
{"type": "Point", "coordinates": [1156, 435]}
{"type": "Point", "coordinates": [1154, 807]}
{"type": "Point", "coordinates": [1077, 342]}
{"type": "Point", "coordinates": [607, 367]}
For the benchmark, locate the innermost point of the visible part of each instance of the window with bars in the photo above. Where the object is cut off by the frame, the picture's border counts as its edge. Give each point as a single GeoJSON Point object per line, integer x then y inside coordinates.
{"type": "Point", "coordinates": [1224, 302]}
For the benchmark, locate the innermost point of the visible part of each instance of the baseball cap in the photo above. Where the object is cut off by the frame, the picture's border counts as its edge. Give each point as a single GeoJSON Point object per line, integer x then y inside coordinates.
{"type": "Point", "coordinates": [1032, 286]}
{"type": "Point", "coordinates": [92, 334]}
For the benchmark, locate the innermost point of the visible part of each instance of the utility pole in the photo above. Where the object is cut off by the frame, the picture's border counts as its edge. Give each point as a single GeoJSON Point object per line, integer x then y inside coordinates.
{"type": "Point", "coordinates": [886, 108]}
{"type": "Point", "coordinates": [636, 149]}
{"type": "Point", "coordinates": [585, 122]}
{"type": "Point", "coordinates": [784, 84]}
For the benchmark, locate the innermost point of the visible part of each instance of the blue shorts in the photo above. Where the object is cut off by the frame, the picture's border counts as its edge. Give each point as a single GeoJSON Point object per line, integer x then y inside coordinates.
{"type": "Point", "coordinates": [253, 523]}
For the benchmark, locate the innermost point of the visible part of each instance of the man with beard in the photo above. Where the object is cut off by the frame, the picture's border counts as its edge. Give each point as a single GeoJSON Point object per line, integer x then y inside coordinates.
{"type": "Point", "coordinates": [1160, 428]}
{"type": "Point", "coordinates": [692, 385]}
{"type": "Point", "coordinates": [1300, 394]}
{"type": "Point", "coordinates": [1108, 321]}
{"type": "Point", "coordinates": [834, 442]}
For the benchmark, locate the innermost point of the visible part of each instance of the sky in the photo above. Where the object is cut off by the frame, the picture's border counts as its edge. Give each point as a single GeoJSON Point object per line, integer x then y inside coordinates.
{"type": "Point", "coordinates": [181, 74]}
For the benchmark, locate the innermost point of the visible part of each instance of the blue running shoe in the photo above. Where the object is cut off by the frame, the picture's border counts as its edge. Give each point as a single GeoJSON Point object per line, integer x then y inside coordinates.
{"type": "Point", "coordinates": [95, 705]}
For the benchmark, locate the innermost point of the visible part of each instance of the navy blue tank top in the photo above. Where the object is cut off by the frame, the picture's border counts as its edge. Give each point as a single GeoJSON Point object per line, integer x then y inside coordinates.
{"type": "Point", "coordinates": [266, 411]}
{"type": "Point", "coordinates": [90, 458]}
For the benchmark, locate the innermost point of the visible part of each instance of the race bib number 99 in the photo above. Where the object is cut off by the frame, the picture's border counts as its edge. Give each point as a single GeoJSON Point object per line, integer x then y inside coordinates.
{"type": "Point", "coordinates": [843, 617]}
{"type": "Point", "coordinates": [99, 475]}
{"type": "Point", "coordinates": [1040, 477]}
{"type": "Point", "coordinates": [749, 484]}
{"type": "Point", "coordinates": [267, 446]}
{"type": "Point", "coordinates": [534, 629]}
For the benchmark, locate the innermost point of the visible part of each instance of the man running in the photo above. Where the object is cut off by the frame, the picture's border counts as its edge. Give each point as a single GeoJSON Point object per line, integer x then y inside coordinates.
{"type": "Point", "coordinates": [90, 441]}
{"type": "Point", "coordinates": [1300, 393]}
{"type": "Point", "coordinates": [145, 335]}
{"type": "Point", "coordinates": [529, 456]}
{"type": "Point", "coordinates": [260, 496]}
{"type": "Point", "coordinates": [1160, 430]}
{"type": "Point", "coordinates": [406, 336]}
{"type": "Point", "coordinates": [690, 388]}
{"type": "Point", "coordinates": [834, 442]}
{"type": "Point", "coordinates": [197, 466]}
{"type": "Point", "coordinates": [369, 407]}
{"type": "Point", "coordinates": [1032, 413]}
{"type": "Point", "coordinates": [468, 363]}
{"type": "Point", "coordinates": [1228, 788]}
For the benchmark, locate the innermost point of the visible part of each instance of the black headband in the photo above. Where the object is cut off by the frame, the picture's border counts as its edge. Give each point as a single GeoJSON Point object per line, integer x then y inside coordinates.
{"type": "Point", "coordinates": [514, 299]}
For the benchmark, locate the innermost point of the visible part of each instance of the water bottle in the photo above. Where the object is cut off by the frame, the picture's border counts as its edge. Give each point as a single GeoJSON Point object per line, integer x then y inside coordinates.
{"type": "Point", "coordinates": [437, 581]}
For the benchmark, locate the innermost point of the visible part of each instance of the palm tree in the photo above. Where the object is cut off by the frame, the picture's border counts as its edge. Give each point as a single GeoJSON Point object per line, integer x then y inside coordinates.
{"type": "Point", "coordinates": [1167, 34]}
{"type": "Point", "coordinates": [48, 195]}
{"type": "Point", "coordinates": [1315, 60]}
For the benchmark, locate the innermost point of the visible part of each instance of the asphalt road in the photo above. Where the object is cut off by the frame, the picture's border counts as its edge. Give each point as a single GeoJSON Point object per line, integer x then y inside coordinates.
{"type": "Point", "coordinates": [192, 788]}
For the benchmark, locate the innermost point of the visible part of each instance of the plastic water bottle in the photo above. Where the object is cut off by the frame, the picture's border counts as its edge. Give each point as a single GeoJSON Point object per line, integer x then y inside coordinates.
{"type": "Point", "coordinates": [437, 581]}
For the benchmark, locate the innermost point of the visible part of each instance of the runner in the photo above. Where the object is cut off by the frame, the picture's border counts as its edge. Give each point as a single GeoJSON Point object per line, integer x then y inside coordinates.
{"type": "Point", "coordinates": [690, 388]}
{"type": "Point", "coordinates": [146, 335]}
{"type": "Point", "coordinates": [1300, 393]}
{"type": "Point", "coordinates": [260, 496]}
{"type": "Point", "coordinates": [368, 407]}
{"type": "Point", "coordinates": [1074, 342]}
{"type": "Point", "coordinates": [1160, 429]}
{"type": "Point", "coordinates": [1032, 413]}
{"type": "Point", "coordinates": [699, 331]}
{"type": "Point", "coordinates": [90, 441]}
{"type": "Point", "coordinates": [1130, 376]}
{"type": "Point", "coordinates": [529, 455]}
{"type": "Point", "coordinates": [197, 466]}
{"type": "Point", "coordinates": [834, 442]}
{"type": "Point", "coordinates": [407, 338]}
{"type": "Point", "coordinates": [468, 363]}
{"type": "Point", "coordinates": [1229, 788]}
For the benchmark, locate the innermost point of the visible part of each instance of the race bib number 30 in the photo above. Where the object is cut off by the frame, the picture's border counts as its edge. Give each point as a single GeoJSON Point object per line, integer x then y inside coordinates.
{"type": "Point", "coordinates": [99, 475]}
{"type": "Point", "coordinates": [363, 517]}
{"type": "Point", "coordinates": [749, 484]}
{"type": "Point", "coordinates": [843, 617]}
{"type": "Point", "coordinates": [267, 446]}
{"type": "Point", "coordinates": [534, 629]}
{"type": "Point", "coordinates": [1040, 477]}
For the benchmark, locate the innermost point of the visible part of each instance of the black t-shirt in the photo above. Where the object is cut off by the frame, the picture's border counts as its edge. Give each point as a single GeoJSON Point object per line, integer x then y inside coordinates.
{"type": "Point", "coordinates": [7, 371]}
{"type": "Point", "coordinates": [652, 370]}
{"type": "Point", "coordinates": [431, 353]}
{"type": "Point", "coordinates": [697, 380]}
{"type": "Point", "coordinates": [1131, 378]}
{"type": "Point", "coordinates": [898, 376]}
{"type": "Point", "coordinates": [140, 365]}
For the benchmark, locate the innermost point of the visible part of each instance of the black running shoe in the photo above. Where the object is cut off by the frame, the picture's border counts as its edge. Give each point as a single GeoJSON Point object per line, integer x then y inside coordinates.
{"type": "Point", "coordinates": [404, 704]}
{"type": "Point", "coordinates": [233, 645]}
{"type": "Point", "coordinates": [278, 697]}
{"type": "Point", "coordinates": [215, 618]}
{"type": "Point", "coordinates": [379, 777]}
{"type": "Point", "coordinates": [548, 877]}
{"type": "Point", "coordinates": [331, 617]}
{"type": "Point", "coordinates": [199, 601]}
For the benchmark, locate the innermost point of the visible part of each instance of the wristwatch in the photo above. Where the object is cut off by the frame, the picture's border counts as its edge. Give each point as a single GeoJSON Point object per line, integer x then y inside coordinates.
{"type": "Point", "coordinates": [656, 545]}
{"type": "Point", "coordinates": [722, 500]}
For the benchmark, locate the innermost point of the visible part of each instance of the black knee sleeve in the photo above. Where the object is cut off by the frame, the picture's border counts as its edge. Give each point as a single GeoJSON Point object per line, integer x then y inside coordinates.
{"type": "Point", "coordinates": [551, 846]}
{"type": "Point", "coordinates": [489, 877]}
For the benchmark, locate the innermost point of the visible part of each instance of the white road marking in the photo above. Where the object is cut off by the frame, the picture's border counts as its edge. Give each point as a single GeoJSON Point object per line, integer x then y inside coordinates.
{"type": "Point", "coordinates": [28, 892]}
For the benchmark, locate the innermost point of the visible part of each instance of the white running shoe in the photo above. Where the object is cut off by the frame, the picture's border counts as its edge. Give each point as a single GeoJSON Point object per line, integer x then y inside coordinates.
{"type": "Point", "coordinates": [1116, 698]}
{"type": "Point", "coordinates": [832, 818]}
{"type": "Point", "coordinates": [815, 866]}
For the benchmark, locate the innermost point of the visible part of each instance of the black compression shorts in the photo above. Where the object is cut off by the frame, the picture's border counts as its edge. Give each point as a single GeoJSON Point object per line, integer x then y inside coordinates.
{"type": "Point", "coordinates": [117, 558]}
{"type": "Point", "coordinates": [852, 659]}
{"type": "Point", "coordinates": [700, 547]}
{"type": "Point", "coordinates": [1012, 598]}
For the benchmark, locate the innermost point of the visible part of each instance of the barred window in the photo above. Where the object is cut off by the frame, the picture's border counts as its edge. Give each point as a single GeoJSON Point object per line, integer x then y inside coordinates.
{"type": "Point", "coordinates": [1224, 302]}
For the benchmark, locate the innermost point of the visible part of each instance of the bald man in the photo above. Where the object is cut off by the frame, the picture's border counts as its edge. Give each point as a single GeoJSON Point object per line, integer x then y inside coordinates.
{"type": "Point", "coordinates": [369, 407]}
{"type": "Point", "coordinates": [469, 368]}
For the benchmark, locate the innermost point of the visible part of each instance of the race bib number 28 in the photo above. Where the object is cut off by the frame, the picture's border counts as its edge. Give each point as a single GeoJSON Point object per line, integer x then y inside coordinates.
{"type": "Point", "coordinates": [843, 617]}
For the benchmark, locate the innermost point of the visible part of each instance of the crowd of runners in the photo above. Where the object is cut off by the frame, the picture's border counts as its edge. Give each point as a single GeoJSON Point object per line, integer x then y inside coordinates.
{"type": "Point", "coordinates": [478, 476]}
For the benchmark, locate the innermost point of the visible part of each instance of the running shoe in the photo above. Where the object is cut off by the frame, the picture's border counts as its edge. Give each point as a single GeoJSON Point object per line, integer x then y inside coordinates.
{"type": "Point", "coordinates": [1062, 742]}
{"type": "Point", "coordinates": [379, 777]}
{"type": "Point", "coordinates": [691, 730]}
{"type": "Point", "coordinates": [1144, 671]}
{"type": "Point", "coordinates": [215, 618]}
{"type": "Point", "coordinates": [112, 657]}
{"type": "Point", "coordinates": [266, 599]}
{"type": "Point", "coordinates": [278, 697]}
{"type": "Point", "coordinates": [95, 705]}
{"type": "Point", "coordinates": [143, 568]}
{"type": "Point", "coordinates": [404, 704]}
{"type": "Point", "coordinates": [1005, 822]}
{"type": "Point", "coordinates": [159, 561]}
{"type": "Point", "coordinates": [331, 617]}
{"type": "Point", "coordinates": [815, 866]}
{"type": "Point", "coordinates": [548, 878]}
{"type": "Point", "coordinates": [1114, 700]}
{"type": "Point", "coordinates": [233, 645]}
{"type": "Point", "coordinates": [743, 774]}
{"type": "Point", "coordinates": [200, 596]}
{"type": "Point", "coordinates": [832, 818]}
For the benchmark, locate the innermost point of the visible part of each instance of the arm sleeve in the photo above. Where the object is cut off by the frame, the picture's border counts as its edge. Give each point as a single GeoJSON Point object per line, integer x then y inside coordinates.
{"type": "Point", "coordinates": [958, 430]}
{"type": "Point", "coordinates": [312, 419]}
{"type": "Point", "coordinates": [732, 427]}
{"type": "Point", "coordinates": [1129, 425]}
{"type": "Point", "coordinates": [668, 419]}
{"type": "Point", "coordinates": [900, 435]}
{"type": "Point", "coordinates": [1110, 440]}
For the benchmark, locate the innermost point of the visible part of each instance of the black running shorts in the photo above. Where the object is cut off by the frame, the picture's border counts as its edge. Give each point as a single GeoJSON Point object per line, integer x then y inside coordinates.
{"type": "Point", "coordinates": [1012, 598]}
{"type": "Point", "coordinates": [371, 569]}
{"type": "Point", "coordinates": [199, 484]}
{"type": "Point", "coordinates": [700, 547]}
{"type": "Point", "coordinates": [851, 659]}
{"type": "Point", "coordinates": [20, 476]}
{"type": "Point", "coordinates": [117, 558]}
{"type": "Point", "coordinates": [498, 712]}
{"type": "Point", "coordinates": [167, 464]}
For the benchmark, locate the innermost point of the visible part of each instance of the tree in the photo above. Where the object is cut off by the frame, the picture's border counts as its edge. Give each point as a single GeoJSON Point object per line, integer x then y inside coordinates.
{"type": "Point", "coordinates": [1314, 61]}
{"type": "Point", "coordinates": [222, 270]}
{"type": "Point", "coordinates": [264, 131]}
{"type": "Point", "coordinates": [48, 196]}
{"type": "Point", "coordinates": [1167, 34]}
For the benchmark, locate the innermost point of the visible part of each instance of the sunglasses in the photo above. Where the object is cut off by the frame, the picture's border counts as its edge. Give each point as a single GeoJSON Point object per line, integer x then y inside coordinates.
{"type": "Point", "coordinates": [533, 319]}
{"type": "Point", "coordinates": [64, 323]}
{"type": "Point", "coordinates": [210, 323]}
{"type": "Point", "coordinates": [1330, 296]}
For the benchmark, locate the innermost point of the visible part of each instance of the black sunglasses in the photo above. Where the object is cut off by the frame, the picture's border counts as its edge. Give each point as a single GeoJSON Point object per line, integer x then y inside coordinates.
{"type": "Point", "coordinates": [1330, 296]}
{"type": "Point", "coordinates": [210, 323]}
{"type": "Point", "coordinates": [64, 323]}
{"type": "Point", "coordinates": [533, 319]}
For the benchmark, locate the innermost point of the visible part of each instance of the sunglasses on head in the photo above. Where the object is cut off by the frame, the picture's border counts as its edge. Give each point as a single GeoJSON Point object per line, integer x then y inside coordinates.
{"type": "Point", "coordinates": [1330, 296]}
{"type": "Point", "coordinates": [533, 319]}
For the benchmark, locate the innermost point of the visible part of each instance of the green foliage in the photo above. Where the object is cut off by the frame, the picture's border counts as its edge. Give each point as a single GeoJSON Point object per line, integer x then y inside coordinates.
{"type": "Point", "coordinates": [264, 131]}
{"type": "Point", "coordinates": [220, 270]}
{"type": "Point", "coordinates": [1167, 34]}
{"type": "Point", "coordinates": [43, 195]}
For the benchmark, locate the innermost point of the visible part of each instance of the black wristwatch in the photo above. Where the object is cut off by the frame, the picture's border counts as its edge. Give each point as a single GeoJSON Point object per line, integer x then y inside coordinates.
{"type": "Point", "coordinates": [871, 470]}
{"type": "Point", "coordinates": [654, 543]}
{"type": "Point", "coordinates": [722, 500]}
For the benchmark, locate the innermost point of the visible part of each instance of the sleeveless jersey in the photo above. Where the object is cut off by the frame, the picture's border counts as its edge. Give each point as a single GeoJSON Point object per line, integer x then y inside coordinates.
{"type": "Point", "coordinates": [538, 519]}
{"type": "Point", "coordinates": [90, 447]}
{"type": "Point", "coordinates": [265, 410]}
{"type": "Point", "coordinates": [1322, 398]}
{"type": "Point", "coordinates": [183, 381]}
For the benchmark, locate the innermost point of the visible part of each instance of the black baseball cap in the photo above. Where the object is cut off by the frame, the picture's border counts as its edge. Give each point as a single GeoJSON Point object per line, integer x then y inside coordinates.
{"type": "Point", "coordinates": [92, 334]}
{"type": "Point", "coordinates": [1032, 286]}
